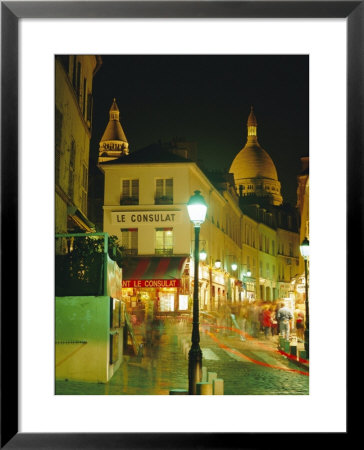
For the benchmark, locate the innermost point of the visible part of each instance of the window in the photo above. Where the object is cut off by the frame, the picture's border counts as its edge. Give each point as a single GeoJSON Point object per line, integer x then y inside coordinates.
{"type": "Point", "coordinates": [58, 137]}
{"type": "Point", "coordinates": [129, 240]}
{"type": "Point", "coordinates": [164, 191]}
{"type": "Point", "coordinates": [129, 192]}
{"type": "Point", "coordinates": [273, 248]}
{"type": "Point", "coordinates": [84, 97]}
{"type": "Point", "coordinates": [267, 269]}
{"type": "Point", "coordinates": [290, 249]}
{"type": "Point", "coordinates": [84, 176]}
{"type": "Point", "coordinates": [72, 168]}
{"type": "Point", "coordinates": [84, 182]}
{"type": "Point", "coordinates": [164, 241]}
{"type": "Point", "coordinates": [89, 109]}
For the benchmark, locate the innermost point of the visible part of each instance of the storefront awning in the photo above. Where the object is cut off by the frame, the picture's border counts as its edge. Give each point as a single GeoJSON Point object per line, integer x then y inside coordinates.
{"type": "Point", "coordinates": [155, 270]}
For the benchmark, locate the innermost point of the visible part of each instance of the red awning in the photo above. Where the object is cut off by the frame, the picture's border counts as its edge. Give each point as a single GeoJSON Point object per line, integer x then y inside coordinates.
{"type": "Point", "coordinates": [155, 270]}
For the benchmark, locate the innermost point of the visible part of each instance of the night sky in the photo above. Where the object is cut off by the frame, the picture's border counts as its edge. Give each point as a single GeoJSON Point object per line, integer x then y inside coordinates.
{"type": "Point", "coordinates": [206, 99]}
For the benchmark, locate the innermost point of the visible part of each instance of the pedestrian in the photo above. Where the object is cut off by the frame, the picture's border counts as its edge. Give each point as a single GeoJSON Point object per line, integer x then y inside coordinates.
{"type": "Point", "coordinates": [255, 320]}
{"type": "Point", "coordinates": [299, 324]}
{"type": "Point", "coordinates": [284, 316]}
{"type": "Point", "coordinates": [266, 321]}
{"type": "Point", "coordinates": [273, 316]}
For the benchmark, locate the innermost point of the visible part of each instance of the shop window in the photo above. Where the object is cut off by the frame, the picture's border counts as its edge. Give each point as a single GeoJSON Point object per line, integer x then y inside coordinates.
{"type": "Point", "coordinates": [129, 192]}
{"type": "Point", "coordinates": [183, 302]}
{"type": "Point", "coordinates": [164, 241]}
{"type": "Point", "coordinates": [129, 240]}
{"type": "Point", "coordinates": [166, 302]}
{"type": "Point", "coordinates": [164, 191]}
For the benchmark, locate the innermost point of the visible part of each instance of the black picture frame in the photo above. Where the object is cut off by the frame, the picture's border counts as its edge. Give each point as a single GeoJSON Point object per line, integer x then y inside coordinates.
{"type": "Point", "coordinates": [11, 12]}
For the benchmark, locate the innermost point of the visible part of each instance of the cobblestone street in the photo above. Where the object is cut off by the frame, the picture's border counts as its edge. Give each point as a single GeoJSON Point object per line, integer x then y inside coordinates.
{"type": "Point", "coordinates": [252, 367]}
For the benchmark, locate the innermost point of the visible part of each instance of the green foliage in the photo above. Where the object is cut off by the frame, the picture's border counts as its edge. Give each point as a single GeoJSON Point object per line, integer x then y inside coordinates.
{"type": "Point", "coordinates": [86, 247]}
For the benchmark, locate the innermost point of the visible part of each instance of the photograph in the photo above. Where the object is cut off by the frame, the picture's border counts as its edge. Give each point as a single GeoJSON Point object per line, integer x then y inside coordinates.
{"type": "Point", "coordinates": [181, 224]}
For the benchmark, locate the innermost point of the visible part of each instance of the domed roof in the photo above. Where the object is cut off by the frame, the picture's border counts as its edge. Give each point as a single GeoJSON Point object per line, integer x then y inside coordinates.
{"type": "Point", "coordinates": [253, 162]}
{"type": "Point", "coordinates": [114, 130]}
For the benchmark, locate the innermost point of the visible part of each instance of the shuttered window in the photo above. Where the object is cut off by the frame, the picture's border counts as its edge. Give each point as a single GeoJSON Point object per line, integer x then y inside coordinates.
{"type": "Point", "coordinates": [164, 191]}
{"type": "Point", "coordinates": [164, 241]}
{"type": "Point", "coordinates": [129, 192]}
{"type": "Point", "coordinates": [129, 240]}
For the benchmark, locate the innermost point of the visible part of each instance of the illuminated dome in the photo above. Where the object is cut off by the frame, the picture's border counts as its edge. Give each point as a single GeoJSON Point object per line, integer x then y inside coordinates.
{"type": "Point", "coordinates": [253, 162]}
{"type": "Point", "coordinates": [253, 169]}
{"type": "Point", "coordinates": [113, 143]}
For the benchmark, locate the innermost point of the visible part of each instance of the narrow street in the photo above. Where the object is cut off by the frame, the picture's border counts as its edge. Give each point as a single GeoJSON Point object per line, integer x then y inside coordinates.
{"type": "Point", "coordinates": [250, 367]}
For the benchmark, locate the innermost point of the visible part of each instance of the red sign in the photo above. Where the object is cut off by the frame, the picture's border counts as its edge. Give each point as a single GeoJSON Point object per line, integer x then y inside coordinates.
{"type": "Point", "coordinates": [151, 283]}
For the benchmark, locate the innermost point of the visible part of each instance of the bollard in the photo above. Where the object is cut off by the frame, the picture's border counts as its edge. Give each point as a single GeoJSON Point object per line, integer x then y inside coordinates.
{"type": "Point", "coordinates": [293, 350]}
{"type": "Point", "coordinates": [178, 392]}
{"type": "Point", "coordinates": [203, 388]}
{"type": "Point", "coordinates": [211, 376]}
{"type": "Point", "coordinates": [302, 354]}
{"type": "Point", "coordinates": [204, 374]}
{"type": "Point", "coordinates": [286, 346]}
{"type": "Point", "coordinates": [218, 386]}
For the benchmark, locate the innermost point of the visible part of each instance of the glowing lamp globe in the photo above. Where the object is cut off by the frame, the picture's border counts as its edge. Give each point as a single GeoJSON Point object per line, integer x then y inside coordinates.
{"type": "Point", "coordinates": [305, 248]}
{"type": "Point", "coordinates": [218, 264]}
{"type": "Point", "coordinates": [203, 255]}
{"type": "Point", "coordinates": [248, 274]}
{"type": "Point", "coordinates": [197, 208]}
{"type": "Point", "coordinates": [234, 266]}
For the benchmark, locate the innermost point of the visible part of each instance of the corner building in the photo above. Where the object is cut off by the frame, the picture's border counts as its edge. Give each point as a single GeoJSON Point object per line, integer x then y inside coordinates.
{"type": "Point", "coordinates": [145, 206]}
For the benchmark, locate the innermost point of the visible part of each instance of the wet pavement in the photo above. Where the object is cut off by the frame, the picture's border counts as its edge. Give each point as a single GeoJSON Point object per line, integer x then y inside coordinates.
{"type": "Point", "coordinates": [250, 367]}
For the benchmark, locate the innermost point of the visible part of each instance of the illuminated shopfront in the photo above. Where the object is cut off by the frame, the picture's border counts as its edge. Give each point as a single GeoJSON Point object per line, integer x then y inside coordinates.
{"type": "Point", "coordinates": [154, 283]}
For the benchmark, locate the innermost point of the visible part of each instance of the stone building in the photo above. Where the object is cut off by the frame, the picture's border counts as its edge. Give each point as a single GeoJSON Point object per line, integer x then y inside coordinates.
{"type": "Point", "coordinates": [73, 124]}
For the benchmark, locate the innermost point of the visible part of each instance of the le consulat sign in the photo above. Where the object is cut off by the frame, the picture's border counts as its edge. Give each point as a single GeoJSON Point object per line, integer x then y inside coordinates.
{"type": "Point", "coordinates": [135, 218]}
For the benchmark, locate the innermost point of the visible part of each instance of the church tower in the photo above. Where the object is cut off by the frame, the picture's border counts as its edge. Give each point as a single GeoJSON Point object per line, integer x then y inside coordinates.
{"type": "Point", "coordinates": [113, 143]}
{"type": "Point", "coordinates": [254, 171]}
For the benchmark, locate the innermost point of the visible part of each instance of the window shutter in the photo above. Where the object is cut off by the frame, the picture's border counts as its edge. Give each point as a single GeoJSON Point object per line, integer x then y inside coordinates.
{"type": "Point", "coordinates": [159, 188]}
{"type": "Point", "coordinates": [125, 192]}
{"type": "Point", "coordinates": [169, 187]}
{"type": "Point", "coordinates": [135, 188]}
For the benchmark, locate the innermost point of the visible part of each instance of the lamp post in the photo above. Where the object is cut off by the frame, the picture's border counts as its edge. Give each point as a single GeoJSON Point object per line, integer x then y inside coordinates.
{"type": "Point", "coordinates": [197, 208]}
{"type": "Point", "coordinates": [305, 252]}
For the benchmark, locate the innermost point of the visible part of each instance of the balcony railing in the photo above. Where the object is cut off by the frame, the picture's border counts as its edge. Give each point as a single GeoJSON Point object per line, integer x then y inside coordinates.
{"type": "Point", "coordinates": [129, 201]}
{"type": "Point", "coordinates": [129, 251]}
{"type": "Point", "coordinates": [164, 251]}
{"type": "Point", "coordinates": [163, 200]}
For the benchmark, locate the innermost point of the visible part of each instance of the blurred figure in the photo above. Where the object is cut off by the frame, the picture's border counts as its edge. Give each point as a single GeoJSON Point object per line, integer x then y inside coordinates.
{"type": "Point", "coordinates": [255, 320]}
{"type": "Point", "coordinates": [266, 321]}
{"type": "Point", "coordinates": [243, 316]}
{"type": "Point", "coordinates": [284, 316]}
{"type": "Point", "coordinates": [273, 316]}
{"type": "Point", "coordinates": [300, 324]}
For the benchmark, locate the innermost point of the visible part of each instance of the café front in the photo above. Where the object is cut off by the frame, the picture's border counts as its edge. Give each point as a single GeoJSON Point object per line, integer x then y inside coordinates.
{"type": "Point", "coordinates": [155, 283]}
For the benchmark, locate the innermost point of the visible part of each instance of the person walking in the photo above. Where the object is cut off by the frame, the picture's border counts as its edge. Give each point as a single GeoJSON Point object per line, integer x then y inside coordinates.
{"type": "Point", "coordinates": [300, 324]}
{"type": "Point", "coordinates": [266, 321]}
{"type": "Point", "coordinates": [273, 316]}
{"type": "Point", "coordinates": [284, 316]}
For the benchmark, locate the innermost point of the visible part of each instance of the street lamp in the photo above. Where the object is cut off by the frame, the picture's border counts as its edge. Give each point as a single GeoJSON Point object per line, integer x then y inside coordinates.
{"type": "Point", "coordinates": [234, 266]}
{"type": "Point", "coordinates": [197, 208]}
{"type": "Point", "coordinates": [218, 264]}
{"type": "Point", "coordinates": [305, 252]}
{"type": "Point", "coordinates": [203, 255]}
